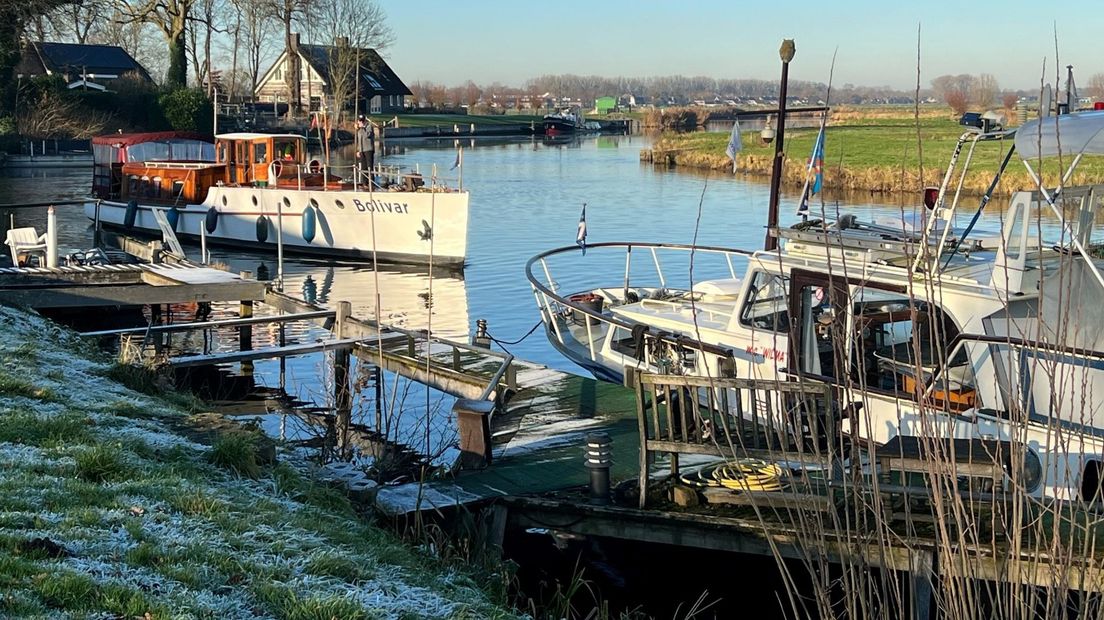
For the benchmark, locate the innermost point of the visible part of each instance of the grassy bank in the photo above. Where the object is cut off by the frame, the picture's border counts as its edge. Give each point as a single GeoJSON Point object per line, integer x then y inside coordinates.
{"type": "Point", "coordinates": [109, 507]}
{"type": "Point", "coordinates": [876, 152]}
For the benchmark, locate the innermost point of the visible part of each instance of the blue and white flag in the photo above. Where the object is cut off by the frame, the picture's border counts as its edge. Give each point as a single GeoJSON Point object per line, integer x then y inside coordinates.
{"type": "Point", "coordinates": [734, 144]}
{"type": "Point", "coordinates": [459, 159]}
{"type": "Point", "coordinates": [814, 173]}
{"type": "Point", "coordinates": [580, 236]}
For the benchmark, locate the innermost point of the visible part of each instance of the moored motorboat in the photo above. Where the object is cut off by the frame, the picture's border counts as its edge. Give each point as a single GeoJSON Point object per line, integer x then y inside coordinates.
{"type": "Point", "coordinates": [252, 190]}
{"type": "Point", "coordinates": [926, 331]}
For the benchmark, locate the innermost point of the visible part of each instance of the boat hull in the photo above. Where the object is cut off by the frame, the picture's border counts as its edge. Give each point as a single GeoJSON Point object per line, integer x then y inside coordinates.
{"type": "Point", "coordinates": [399, 227]}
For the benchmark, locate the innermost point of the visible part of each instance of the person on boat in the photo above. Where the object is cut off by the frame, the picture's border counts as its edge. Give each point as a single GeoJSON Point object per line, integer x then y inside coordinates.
{"type": "Point", "coordinates": [365, 147]}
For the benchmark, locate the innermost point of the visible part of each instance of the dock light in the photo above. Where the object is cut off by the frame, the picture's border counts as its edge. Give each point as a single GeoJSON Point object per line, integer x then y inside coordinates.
{"type": "Point", "coordinates": [598, 462]}
{"type": "Point", "coordinates": [767, 135]}
{"type": "Point", "coordinates": [481, 337]}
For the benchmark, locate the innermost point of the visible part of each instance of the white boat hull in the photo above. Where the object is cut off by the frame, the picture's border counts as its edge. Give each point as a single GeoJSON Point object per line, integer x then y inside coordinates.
{"type": "Point", "coordinates": [402, 227]}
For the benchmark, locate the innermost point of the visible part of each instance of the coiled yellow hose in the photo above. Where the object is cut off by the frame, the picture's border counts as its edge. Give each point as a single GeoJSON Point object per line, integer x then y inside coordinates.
{"type": "Point", "coordinates": [739, 475]}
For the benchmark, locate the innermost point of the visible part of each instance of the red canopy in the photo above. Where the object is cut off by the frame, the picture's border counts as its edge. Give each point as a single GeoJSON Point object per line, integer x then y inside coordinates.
{"type": "Point", "coordinates": [129, 139]}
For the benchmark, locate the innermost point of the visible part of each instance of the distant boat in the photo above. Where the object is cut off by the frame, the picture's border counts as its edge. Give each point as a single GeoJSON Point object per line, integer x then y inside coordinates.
{"type": "Point", "coordinates": [564, 121]}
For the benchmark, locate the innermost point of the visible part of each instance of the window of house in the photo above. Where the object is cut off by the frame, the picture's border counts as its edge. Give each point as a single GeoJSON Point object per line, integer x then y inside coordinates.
{"type": "Point", "coordinates": [766, 303]}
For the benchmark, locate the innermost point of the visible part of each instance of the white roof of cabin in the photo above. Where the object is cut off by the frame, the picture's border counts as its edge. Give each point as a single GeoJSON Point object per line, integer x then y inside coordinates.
{"type": "Point", "coordinates": [254, 136]}
{"type": "Point", "coordinates": [1068, 134]}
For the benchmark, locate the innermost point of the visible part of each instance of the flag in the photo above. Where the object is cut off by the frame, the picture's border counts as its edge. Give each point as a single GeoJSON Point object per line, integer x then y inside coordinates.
{"type": "Point", "coordinates": [459, 159]}
{"type": "Point", "coordinates": [580, 236]}
{"type": "Point", "coordinates": [814, 173]}
{"type": "Point", "coordinates": [734, 144]}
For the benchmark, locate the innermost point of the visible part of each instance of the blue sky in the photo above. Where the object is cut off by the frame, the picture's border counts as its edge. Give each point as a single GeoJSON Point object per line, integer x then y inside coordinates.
{"type": "Point", "coordinates": [493, 40]}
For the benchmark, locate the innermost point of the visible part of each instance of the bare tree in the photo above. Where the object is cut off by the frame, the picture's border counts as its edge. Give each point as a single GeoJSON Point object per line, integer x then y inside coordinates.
{"type": "Point", "coordinates": [171, 17]}
{"type": "Point", "coordinates": [288, 13]}
{"type": "Point", "coordinates": [79, 22]}
{"type": "Point", "coordinates": [352, 27]}
{"type": "Point", "coordinates": [983, 90]}
{"type": "Point", "coordinates": [1095, 88]}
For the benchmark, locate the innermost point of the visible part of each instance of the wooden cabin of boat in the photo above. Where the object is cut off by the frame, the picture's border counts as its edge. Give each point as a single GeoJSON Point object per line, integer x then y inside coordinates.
{"type": "Point", "coordinates": [173, 167]}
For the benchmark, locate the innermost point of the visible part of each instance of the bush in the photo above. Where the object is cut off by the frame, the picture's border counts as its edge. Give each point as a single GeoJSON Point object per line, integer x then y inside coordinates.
{"type": "Point", "coordinates": [187, 109]}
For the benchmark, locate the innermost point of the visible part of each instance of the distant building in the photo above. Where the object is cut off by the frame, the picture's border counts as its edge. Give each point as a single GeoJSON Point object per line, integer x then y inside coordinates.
{"type": "Point", "coordinates": [605, 105]}
{"type": "Point", "coordinates": [94, 67]}
{"type": "Point", "coordinates": [381, 90]}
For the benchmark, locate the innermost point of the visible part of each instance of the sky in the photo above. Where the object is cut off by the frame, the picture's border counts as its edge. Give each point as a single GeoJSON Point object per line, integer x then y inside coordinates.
{"type": "Point", "coordinates": [450, 42]}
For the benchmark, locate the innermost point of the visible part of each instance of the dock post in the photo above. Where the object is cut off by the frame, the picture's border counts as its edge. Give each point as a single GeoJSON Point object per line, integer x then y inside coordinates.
{"type": "Point", "coordinates": [922, 573]}
{"type": "Point", "coordinates": [97, 228]}
{"type": "Point", "coordinates": [343, 401]}
{"type": "Point", "coordinates": [473, 421]}
{"type": "Point", "coordinates": [51, 239]}
{"type": "Point", "coordinates": [245, 332]}
{"type": "Point", "coordinates": [378, 384]}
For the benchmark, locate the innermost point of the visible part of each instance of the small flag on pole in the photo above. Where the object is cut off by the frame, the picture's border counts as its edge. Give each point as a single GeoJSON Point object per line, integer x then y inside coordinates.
{"type": "Point", "coordinates": [459, 159]}
{"type": "Point", "coordinates": [314, 121]}
{"type": "Point", "coordinates": [814, 173]}
{"type": "Point", "coordinates": [580, 236]}
{"type": "Point", "coordinates": [734, 144]}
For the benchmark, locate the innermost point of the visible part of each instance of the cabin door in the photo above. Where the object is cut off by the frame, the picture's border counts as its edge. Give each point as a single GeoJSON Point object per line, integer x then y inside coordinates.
{"type": "Point", "coordinates": [818, 325]}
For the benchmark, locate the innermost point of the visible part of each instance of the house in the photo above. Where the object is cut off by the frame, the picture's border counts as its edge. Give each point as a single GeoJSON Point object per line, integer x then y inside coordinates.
{"type": "Point", "coordinates": [93, 67]}
{"type": "Point", "coordinates": [381, 91]}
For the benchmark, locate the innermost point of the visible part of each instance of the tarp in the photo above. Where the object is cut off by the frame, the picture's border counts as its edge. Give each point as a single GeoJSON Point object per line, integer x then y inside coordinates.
{"type": "Point", "coordinates": [1066, 134]}
{"type": "Point", "coordinates": [128, 139]}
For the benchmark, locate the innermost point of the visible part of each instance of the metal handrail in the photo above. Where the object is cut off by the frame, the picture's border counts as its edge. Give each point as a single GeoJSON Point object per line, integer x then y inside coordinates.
{"type": "Point", "coordinates": [540, 289]}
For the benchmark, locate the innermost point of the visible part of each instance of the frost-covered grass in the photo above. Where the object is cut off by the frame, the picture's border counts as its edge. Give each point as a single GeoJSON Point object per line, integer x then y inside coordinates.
{"type": "Point", "coordinates": [106, 510]}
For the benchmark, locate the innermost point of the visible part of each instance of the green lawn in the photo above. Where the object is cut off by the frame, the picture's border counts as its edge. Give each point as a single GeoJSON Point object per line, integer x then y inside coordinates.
{"type": "Point", "coordinates": [876, 154]}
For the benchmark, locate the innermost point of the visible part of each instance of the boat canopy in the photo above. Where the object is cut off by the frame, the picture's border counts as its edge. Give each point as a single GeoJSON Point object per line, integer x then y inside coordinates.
{"type": "Point", "coordinates": [1067, 134]}
{"type": "Point", "coordinates": [152, 146]}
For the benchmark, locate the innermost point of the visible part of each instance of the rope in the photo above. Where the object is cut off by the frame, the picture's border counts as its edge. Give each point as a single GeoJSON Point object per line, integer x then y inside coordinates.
{"type": "Point", "coordinates": [519, 340]}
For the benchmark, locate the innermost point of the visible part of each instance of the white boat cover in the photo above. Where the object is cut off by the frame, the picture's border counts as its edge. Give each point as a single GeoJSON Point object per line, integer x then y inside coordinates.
{"type": "Point", "coordinates": [1068, 134]}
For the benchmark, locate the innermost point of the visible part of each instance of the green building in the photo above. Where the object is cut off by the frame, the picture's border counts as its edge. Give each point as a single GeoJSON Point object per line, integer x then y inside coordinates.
{"type": "Point", "coordinates": [605, 105]}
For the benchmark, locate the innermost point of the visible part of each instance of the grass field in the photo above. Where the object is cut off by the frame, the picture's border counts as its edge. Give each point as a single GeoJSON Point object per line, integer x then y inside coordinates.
{"type": "Point", "coordinates": [877, 153]}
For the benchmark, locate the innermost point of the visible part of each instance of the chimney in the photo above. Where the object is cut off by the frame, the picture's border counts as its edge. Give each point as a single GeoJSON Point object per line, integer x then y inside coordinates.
{"type": "Point", "coordinates": [295, 40]}
{"type": "Point", "coordinates": [343, 41]}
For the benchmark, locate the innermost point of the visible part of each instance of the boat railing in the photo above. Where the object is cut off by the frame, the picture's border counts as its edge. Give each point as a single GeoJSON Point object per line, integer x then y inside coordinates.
{"type": "Point", "coordinates": [383, 177]}
{"type": "Point", "coordinates": [555, 307]}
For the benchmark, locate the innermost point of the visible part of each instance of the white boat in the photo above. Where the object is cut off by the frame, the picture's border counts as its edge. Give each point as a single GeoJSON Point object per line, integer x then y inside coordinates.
{"type": "Point", "coordinates": [251, 190]}
{"type": "Point", "coordinates": [930, 331]}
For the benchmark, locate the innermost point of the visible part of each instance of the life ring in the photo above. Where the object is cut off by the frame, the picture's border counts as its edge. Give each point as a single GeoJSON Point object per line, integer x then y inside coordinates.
{"type": "Point", "coordinates": [131, 214]}
{"type": "Point", "coordinates": [211, 222]}
{"type": "Point", "coordinates": [262, 229]}
{"type": "Point", "coordinates": [310, 221]}
{"type": "Point", "coordinates": [314, 166]}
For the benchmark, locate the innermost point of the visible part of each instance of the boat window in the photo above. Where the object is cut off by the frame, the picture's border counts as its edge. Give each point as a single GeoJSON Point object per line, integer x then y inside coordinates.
{"type": "Point", "coordinates": [132, 185]}
{"type": "Point", "coordinates": [177, 188]}
{"type": "Point", "coordinates": [155, 187]}
{"type": "Point", "coordinates": [144, 186]}
{"type": "Point", "coordinates": [623, 342]}
{"type": "Point", "coordinates": [260, 152]}
{"type": "Point", "coordinates": [285, 149]}
{"type": "Point", "coordinates": [823, 331]}
{"type": "Point", "coordinates": [899, 344]}
{"type": "Point", "coordinates": [765, 306]}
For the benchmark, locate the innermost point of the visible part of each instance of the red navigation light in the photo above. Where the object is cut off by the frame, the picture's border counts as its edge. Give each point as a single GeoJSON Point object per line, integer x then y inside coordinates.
{"type": "Point", "coordinates": [931, 194]}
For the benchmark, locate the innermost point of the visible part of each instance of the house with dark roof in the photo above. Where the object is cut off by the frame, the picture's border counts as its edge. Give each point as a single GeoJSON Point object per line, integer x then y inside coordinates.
{"type": "Point", "coordinates": [324, 66]}
{"type": "Point", "coordinates": [81, 66]}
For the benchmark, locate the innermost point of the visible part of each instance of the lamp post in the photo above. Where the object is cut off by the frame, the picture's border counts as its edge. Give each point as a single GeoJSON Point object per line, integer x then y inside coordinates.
{"type": "Point", "coordinates": [786, 53]}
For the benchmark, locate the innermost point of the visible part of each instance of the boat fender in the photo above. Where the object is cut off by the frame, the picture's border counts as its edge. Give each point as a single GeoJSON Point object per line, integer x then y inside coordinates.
{"type": "Point", "coordinates": [212, 220]}
{"type": "Point", "coordinates": [310, 220]}
{"type": "Point", "coordinates": [262, 228]}
{"type": "Point", "coordinates": [173, 217]}
{"type": "Point", "coordinates": [131, 214]}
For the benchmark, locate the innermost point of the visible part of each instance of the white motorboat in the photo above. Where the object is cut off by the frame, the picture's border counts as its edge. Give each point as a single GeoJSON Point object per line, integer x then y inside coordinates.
{"type": "Point", "coordinates": [257, 191]}
{"type": "Point", "coordinates": [930, 331]}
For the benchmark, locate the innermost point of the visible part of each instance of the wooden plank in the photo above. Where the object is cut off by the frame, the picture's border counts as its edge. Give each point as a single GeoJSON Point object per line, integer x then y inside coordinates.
{"type": "Point", "coordinates": [179, 327]}
{"type": "Point", "coordinates": [773, 499]}
{"type": "Point", "coordinates": [134, 294]}
{"type": "Point", "coordinates": [266, 353]}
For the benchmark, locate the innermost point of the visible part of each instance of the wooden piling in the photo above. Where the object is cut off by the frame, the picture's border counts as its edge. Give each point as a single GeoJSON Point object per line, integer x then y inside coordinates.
{"type": "Point", "coordinates": [343, 401]}
{"type": "Point", "coordinates": [245, 332]}
{"type": "Point", "coordinates": [473, 421]}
